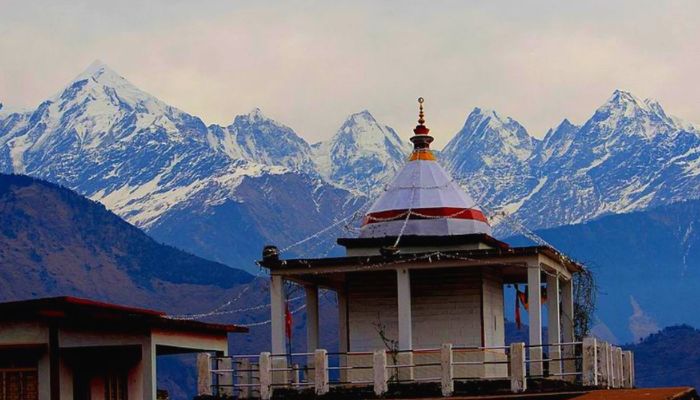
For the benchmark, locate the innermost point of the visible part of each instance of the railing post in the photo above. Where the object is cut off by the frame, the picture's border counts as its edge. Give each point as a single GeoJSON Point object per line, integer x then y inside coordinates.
{"type": "Point", "coordinates": [611, 370]}
{"type": "Point", "coordinates": [590, 362]}
{"type": "Point", "coordinates": [632, 372]}
{"type": "Point", "coordinates": [604, 365]}
{"type": "Point", "coordinates": [516, 359]}
{"type": "Point", "coordinates": [618, 370]}
{"type": "Point", "coordinates": [265, 366]}
{"type": "Point", "coordinates": [626, 370]}
{"type": "Point", "coordinates": [321, 371]}
{"type": "Point", "coordinates": [204, 374]}
{"type": "Point", "coordinates": [244, 377]}
{"type": "Point", "coordinates": [447, 384]}
{"type": "Point", "coordinates": [381, 378]}
{"type": "Point", "coordinates": [295, 375]}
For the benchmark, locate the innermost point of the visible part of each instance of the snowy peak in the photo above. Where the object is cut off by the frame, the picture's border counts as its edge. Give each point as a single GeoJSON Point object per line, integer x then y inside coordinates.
{"type": "Point", "coordinates": [487, 138]}
{"type": "Point", "coordinates": [362, 154]}
{"type": "Point", "coordinates": [625, 114]}
{"type": "Point", "coordinates": [257, 138]}
{"type": "Point", "coordinates": [102, 73]}
{"type": "Point", "coordinates": [556, 142]}
{"type": "Point", "coordinates": [363, 130]}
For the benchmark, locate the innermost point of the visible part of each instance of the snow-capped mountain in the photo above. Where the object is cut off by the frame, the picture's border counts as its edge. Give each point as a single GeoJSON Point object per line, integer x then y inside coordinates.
{"type": "Point", "coordinates": [363, 155]}
{"type": "Point", "coordinates": [489, 156]}
{"type": "Point", "coordinates": [259, 139]}
{"type": "Point", "coordinates": [167, 172]}
{"type": "Point", "coordinates": [146, 160]}
{"type": "Point", "coordinates": [628, 156]}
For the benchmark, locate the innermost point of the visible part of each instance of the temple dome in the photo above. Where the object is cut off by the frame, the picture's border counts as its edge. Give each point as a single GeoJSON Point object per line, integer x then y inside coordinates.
{"type": "Point", "coordinates": [423, 199]}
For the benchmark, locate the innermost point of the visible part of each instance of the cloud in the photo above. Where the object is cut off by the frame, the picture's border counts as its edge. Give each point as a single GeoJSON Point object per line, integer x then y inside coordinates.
{"type": "Point", "coordinates": [311, 63]}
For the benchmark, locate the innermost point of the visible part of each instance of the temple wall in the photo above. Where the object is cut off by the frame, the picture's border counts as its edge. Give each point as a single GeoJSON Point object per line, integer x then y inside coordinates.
{"type": "Point", "coordinates": [446, 308]}
{"type": "Point", "coordinates": [494, 329]}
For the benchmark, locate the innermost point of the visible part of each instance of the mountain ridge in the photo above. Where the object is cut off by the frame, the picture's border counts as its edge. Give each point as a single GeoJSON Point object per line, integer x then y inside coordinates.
{"type": "Point", "coordinates": [154, 164]}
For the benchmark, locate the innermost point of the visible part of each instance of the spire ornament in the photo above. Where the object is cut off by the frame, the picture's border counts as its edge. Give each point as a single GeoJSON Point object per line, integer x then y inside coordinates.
{"type": "Point", "coordinates": [421, 119]}
{"type": "Point", "coordinates": [421, 140]}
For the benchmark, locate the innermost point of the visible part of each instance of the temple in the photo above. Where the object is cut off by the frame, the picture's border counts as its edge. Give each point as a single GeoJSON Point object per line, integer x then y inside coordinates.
{"type": "Point", "coordinates": [427, 270]}
{"type": "Point", "coordinates": [420, 295]}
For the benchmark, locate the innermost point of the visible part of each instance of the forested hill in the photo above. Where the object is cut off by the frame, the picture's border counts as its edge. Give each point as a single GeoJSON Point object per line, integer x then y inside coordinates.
{"type": "Point", "coordinates": [56, 242]}
{"type": "Point", "coordinates": [670, 357]}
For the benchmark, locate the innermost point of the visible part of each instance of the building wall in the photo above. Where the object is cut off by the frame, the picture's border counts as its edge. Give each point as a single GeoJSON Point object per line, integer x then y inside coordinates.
{"type": "Point", "coordinates": [446, 308]}
{"type": "Point", "coordinates": [494, 329]}
{"type": "Point", "coordinates": [372, 302]}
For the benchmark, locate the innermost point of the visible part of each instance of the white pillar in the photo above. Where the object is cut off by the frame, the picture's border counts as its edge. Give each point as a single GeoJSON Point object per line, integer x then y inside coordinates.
{"type": "Point", "coordinates": [343, 340]}
{"type": "Point", "coordinates": [321, 372]}
{"type": "Point", "coordinates": [447, 384]}
{"type": "Point", "coordinates": [403, 294]}
{"type": "Point", "coordinates": [619, 376]}
{"type": "Point", "coordinates": [403, 289]}
{"type": "Point", "coordinates": [516, 359]}
{"type": "Point", "coordinates": [311, 318]}
{"type": "Point", "coordinates": [567, 326]}
{"type": "Point", "coordinates": [535, 318]}
{"type": "Point", "coordinates": [203, 374]}
{"type": "Point", "coordinates": [148, 361]}
{"type": "Point", "coordinates": [553, 326]}
{"type": "Point", "coordinates": [589, 367]}
{"type": "Point", "coordinates": [265, 376]}
{"type": "Point", "coordinates": [277, 304]}
{"type": "Point", "coordinates": [381, 378]}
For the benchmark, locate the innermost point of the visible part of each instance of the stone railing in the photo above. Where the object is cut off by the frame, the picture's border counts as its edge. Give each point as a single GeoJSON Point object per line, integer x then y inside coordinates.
{"type": "Point", "coordinates": [590, 363]}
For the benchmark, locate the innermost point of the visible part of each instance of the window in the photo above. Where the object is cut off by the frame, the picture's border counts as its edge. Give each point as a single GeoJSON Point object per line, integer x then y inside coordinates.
{"type": "Point", "coordinates": [115, 386]}
{"type": "Point", "coordinates": [18, 384]}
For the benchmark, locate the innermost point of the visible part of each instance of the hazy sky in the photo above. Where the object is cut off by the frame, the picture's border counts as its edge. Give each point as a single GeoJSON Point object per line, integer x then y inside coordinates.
{"type": "Point", "coordinates": [309, 64]}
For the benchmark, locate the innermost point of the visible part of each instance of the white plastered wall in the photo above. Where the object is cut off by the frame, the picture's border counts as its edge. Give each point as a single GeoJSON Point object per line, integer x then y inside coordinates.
{"type": "Point", "coordinates": [446, 308]}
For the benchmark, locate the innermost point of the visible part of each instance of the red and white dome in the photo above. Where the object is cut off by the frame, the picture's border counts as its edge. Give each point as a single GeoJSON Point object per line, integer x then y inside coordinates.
{"type": "Point", "coordinates": [423, 199]}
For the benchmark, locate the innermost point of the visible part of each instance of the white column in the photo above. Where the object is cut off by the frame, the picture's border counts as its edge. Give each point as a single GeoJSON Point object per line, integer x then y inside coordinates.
{"type": "Point", "coordinates": [321, 372]}
{"type": "Point", "coordinates": [518, 381]}
{"type": "Point", "coordinates": [203, 374]}
{"type": "Point", "coordinates": [381, 378]}
{"type": "Point", "coordinates": [403, 294]}
{"type": "Point", "coordinates": [535, 317]}
{"type": "Point", "coordinates": [553, 325]}
{"type": "Point", "coordinates": [265, 365]}
{"type": "Point", "coordinates": [343, 344]}
{"type": "Point", "coordinates": [343, 340]}
{"type": "Point", "coordinates": [311, 318]}
{"type": "Point", "coordinates": [567, 325]}
{"type": "Point", "coordinates": [590, 361]}
{"type": "Point", "coordinates": [148, 360]}
{"type": "Point", "coordinates": [277, 300]}
{"type": "Point", "coordinates": [447, 384]}
{"type": "Point", "coordinates": [403, 286]}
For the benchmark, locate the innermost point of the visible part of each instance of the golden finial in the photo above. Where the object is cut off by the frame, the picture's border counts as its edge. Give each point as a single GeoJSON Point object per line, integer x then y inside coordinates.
{"type": "Point", "coordinates": [421, 120]}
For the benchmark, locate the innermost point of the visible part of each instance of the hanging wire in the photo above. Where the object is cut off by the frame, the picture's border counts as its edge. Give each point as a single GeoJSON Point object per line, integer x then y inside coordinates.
{"type": "Point", "coordinates": [219, 310]}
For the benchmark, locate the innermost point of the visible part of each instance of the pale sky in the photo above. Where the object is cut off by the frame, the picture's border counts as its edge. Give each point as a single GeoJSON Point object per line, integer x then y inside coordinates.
{"type": "Point", "coordinates": [309, 64]}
